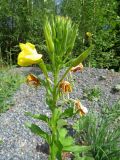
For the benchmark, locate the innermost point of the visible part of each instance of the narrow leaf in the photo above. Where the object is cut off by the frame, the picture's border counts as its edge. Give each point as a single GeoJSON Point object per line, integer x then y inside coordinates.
{"type": "Point", "coordinates": [43, 68]}
{"type": "Point", "coordinates": [81, 57]}
{"type": "Point", "coordinates": [38, 116]}
{"type": "Point", "coordinates": [36, 130]}
{"type": "Point", "coordinates": [85, 158]}
{"type": "Point", "coordinates": [76, 61]}
{"type": "Point", "coordinates": [76, 148]}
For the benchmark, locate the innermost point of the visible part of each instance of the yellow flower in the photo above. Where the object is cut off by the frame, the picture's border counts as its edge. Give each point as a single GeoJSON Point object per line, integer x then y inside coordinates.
{"type": "Point", "coordinates": [33, 80]}
{"type": "Point", "coordinates": [89, 34]}
{"type": "Point", "coordinates": [80, 108]}
{"type": "Point", "coordinates": [28, 55]}
{"type": "Point", "coordinates": [65, 86]}
{"type": "Point", "coordinates": [77, 68]}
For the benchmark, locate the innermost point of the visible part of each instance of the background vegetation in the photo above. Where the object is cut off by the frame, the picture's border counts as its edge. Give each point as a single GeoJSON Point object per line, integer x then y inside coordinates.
{"type": "Point", "coordinates": [9, 83]}
{"type": "Point", "coordinates": [22, 21]}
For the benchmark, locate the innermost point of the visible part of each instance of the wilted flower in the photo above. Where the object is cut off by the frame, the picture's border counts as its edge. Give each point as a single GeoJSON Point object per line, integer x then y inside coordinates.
{"type": "Point", "coordinates": [33, 80]}
{"type": "Point", "coordinates": [89, 34]}
{"type": "Point", "coordinates": [65, 86]}
{"type": "Point", "coordinates": [28, 55]}
{"type": "Point", "coordinates": [77, 68]}
{"type": "Point", "coordinates": [66, 155]}
{"type": "Point", "coordinates": [80, 108]}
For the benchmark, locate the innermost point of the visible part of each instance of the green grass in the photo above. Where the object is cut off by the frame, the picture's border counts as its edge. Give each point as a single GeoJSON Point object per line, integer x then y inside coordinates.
{"type": "Point", "coordinates": [102, 132]}
{"type": "Point", "coordinates": [9, 83]}
{"type": "Point", "coordinates": [92, 94]}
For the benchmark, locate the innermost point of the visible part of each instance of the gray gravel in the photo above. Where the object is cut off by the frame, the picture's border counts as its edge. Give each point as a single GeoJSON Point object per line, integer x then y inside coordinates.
{"type": "Point", "coordinates": [18, 142]}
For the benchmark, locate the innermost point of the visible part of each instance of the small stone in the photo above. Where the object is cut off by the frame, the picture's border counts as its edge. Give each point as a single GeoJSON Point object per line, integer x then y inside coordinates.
{"type": "Point", "coordinates": [44, 148]}
{"type": "Point", "coordinates": [112, 70]}
{"type": "Point", "coordinates": [15, 157]}
{"type": "Point", "coordinates": [102, 78]}
{"type": "Point", "coordinates": [116, 88]}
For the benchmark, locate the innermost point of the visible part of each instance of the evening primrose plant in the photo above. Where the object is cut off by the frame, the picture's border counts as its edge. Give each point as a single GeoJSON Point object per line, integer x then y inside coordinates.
{"type": "Point", "coordinates": [60, 34]}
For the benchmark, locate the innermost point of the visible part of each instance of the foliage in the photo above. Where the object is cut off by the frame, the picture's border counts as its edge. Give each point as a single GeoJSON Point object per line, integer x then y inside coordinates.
{"type": "Point", "coordinates": [9, 83]}
{"type": "Point", "coordinates": [100, 18]}
{"type": "Point", "coordinates": [21, 21]}
{"type": "Point", "coordinates": [101, 131]}
{"type": "Point", "coordinates": [112, 113]}
{"type": "Point", "coordinates": [1, 141]}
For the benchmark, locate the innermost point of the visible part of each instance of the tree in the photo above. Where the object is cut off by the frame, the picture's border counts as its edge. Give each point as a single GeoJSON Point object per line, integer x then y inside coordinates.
{"type": "Point", "coordinates": [98, 17]}
{"type": "Point", "coordinates": [22, 21]}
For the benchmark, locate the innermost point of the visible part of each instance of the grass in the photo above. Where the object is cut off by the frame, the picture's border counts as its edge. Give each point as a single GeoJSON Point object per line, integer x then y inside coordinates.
{"type": "Point", "coordinates": [9, 83]}
{"type": "Point", "coordinates": [102, 132]}
{"type": "Point", "coordinates": [92, 94]}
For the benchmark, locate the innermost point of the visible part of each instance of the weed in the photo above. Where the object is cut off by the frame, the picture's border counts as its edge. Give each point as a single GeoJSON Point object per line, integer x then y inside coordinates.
{"type": "Point", "coordinates": [92, 94]}
{"type": "Point", "coordinates": [1, 141]}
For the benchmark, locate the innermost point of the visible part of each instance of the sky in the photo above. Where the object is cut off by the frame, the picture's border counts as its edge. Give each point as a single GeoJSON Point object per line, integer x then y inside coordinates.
{"type": "Point", "coordinates": [58, 1]}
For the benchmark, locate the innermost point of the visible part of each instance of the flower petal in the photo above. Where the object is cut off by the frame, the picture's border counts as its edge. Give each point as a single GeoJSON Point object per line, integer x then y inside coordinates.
{"type": "Point", "coordinates": [80, 108]}
{"type": "Point", "coordinates": [65, 86]}
{"type": "Point", "coordinates": [25, 59]}
{"type": "Point", "coordinates": [77, 68]}
{"type": "Point", "coordinates": [22, 46]}
{"type": "Point", "coordinates": [33, 80]}
{"type": "Point", "coordinates": [28, 55]}
{"type": "Point", "coordinates": [89, 34]}
{"type": "Point", "coordinates": [32, 46]}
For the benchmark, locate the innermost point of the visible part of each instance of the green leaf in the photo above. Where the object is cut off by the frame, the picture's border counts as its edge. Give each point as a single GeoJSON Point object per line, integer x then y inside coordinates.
{"type": "Point", "coordinates": [60, 147]}
{"type": "Point", "coordinates": [84, 158]}
{"type": "Point", "coordinates": [48, 37]}
{"type": "Point", "coordinates": [65, 140]}
{"type": "Point", "coordinates": [43, 68]}
{"type": "Point", "coordinates": [68, 112]}
{"type": "Point", "coordinates": [57, 113]}
{"type": "Point", "coordinates": [62, 132]}
{"type": "Point", "coordinates": [76, 61]}
{"type": "Point", "coordinates": [55, 117]}
{"type": "Point", "coordinates": [81, 57]}
{"type": "Point", "coordinates": [76, 148]}
{"type": "Point", "coordinates": [36, 130]}
{"type": "Point", "coordinates": [1, 141]}
{"type": "Point", "coordinates": [38, 116]}
{"type": "Point", "coordinates": [61, 123]}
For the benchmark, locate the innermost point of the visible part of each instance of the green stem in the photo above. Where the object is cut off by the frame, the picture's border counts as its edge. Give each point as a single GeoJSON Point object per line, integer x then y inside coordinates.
{"type": "Point", "coordinates": [55, 89]}
{"type": "Point", "coordinates": [53, 147]}
{"type": "Point", "coordinates": [45, 72]}
{"type": "Point", "coordinates": [64, 75]}
{"type": "Point", "coordinates": [52, 155]}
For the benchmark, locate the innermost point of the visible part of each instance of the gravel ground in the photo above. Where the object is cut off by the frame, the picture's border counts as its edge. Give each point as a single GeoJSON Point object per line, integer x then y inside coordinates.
{"type": "Point", "coordinates": [18, 142]}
